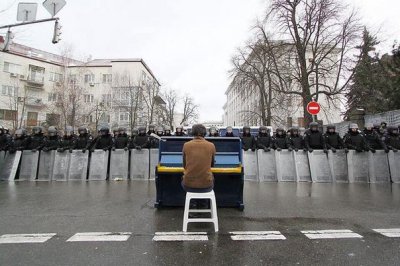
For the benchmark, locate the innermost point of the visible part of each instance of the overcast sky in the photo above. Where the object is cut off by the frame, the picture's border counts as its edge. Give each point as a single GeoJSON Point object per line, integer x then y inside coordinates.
{"type": "Point", "coordinates": [187, 44]}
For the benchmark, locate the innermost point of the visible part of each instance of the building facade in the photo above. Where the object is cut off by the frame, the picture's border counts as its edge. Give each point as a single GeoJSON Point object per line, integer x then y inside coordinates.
{"type": "Point", "coordinates": [42, 89]}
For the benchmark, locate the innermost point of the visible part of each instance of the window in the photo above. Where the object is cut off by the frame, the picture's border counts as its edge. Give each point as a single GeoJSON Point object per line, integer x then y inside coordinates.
{"type": "Point", "coordinates": [123, 116]}
{"type": "Point", "coordinates": [56, 77]}
{"type": "Point", "coordinates": [36, 74]}
{"type": "Point", "coordinates": [9, 90]}
{"type": "Point", "coordinates": [72, 78]}
{"type": "Point", "coordinates": [32, 119]}
{"type": "Point", "coordinates": [88, 98]}
{"type": "Point", "coordinates": [8, 114]}
{"type": "Point", "coordinates": [89, 78]}
{"type": "Point", "coordinates": [311, 80]}
{"type": "Point", "coordinates": [52, 97]}
{"type": "Point", "coordinates": [107, 78]}
{"type": "Point", "coordinates": [88, 119]}
{"type": "Point", "coordinates": [11, 68]}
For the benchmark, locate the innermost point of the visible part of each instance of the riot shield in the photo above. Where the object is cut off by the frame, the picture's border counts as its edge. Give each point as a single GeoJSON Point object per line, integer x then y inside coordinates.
{"type": "Point", "coordinates": [154, 154]}
{"type": "Point", "coordinates": [29, 166]}
{"type": "Point", "coordinates": [119, 164]}
{"type": "Point", "coordinates": [61, 166]}
{"type": "Point", "coordinates": [250, 165]}
{"type": "Point", "coordinates": [2, 158]}
{"type": "Point", "coordinates": [140, 164]}
{"type": "Point", "coordinates": [394, 163]}
{"type": "Point", "coordinates": [338, 164]}
{"type": "Point", "coordinates": [303, 173]}
{"type": "Point", "coordinates": [378, 167]}
{"type": "Point", "coordinates": [319, 167]}
{"type": "Point", "coordinates": [10, 166]}
{"type": "Point", "coordinates": [357, 163]}
{"type": "Point", "coordinates": [285, 167]}
{"type": "Point", "coordinates": [98, 165]}
{"type": "Point", "coordinates": [78, 165]}
{"type": "Point", "coordinates": [46, 165]}
{"type": "Point", "coordinates": [266, 166]}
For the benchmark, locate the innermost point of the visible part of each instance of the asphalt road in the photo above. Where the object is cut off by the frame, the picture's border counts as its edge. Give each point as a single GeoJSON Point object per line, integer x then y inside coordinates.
{"type": "Point", "coordinates": [65, 209]}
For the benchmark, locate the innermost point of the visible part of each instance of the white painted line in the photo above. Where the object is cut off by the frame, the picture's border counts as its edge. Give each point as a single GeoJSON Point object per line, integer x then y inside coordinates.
{"type": "Point", "coordinates": [182, 237]}
{"type": "Point", "coordinates": [256, 235]}
{"type": "Point", "coordinates": [25, 238]}
{"type": "Point", "coordinates": [313, 108]}
{"type": "Point", "coordinates": [330, 234]}
{"type": "Point", "coordinates": [392, 232]}
{"type": "Point", "coordinates": [180, 233]}
{"type": "Point", "coordinates": [99, 236]}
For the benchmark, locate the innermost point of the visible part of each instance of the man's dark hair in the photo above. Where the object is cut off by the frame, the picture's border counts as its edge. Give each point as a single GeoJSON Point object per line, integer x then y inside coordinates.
{"type": "Point", "coordinates": [199, 130]}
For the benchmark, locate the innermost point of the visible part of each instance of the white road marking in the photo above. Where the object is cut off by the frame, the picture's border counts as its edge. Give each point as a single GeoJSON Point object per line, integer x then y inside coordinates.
{"type": "Point", "coordinates": [392, 232]}
{"type": "Point", "coordinates": [180, 236]}
{"type": "Point", "coordinates": [257, 235]}
{"type": "Point", "coordinates": [329, 234]}
{"type": "Point", "coordinates": [25, 238]}
{"type": "Point", "coordinates": [99, 236]}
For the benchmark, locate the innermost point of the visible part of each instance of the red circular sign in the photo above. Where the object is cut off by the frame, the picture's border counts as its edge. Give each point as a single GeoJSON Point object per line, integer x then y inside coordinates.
{"type": "Point", "coordinates": [313, 108]}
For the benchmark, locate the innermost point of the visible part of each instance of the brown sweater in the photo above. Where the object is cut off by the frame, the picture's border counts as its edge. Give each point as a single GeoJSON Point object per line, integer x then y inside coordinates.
{"type": "Point", "coordinates": [198, 158]}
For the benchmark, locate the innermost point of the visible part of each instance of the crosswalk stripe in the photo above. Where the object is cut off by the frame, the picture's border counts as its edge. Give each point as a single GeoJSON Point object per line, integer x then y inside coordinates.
{"type": "Point", "coordinates": [180, 236]}
{"type": "Point", "coordinates": [99, 236]}
{"type": "Point", "coordinates": [391, 232]}
{"type": "Point", "coordinates": [330, 234]}
{"type": "Point", "coordinates": [25, 238]}
{"type": "Point", "coordinates": [256, 235]}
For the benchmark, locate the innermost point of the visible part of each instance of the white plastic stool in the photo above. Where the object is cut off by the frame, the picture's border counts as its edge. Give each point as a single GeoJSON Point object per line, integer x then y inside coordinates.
{"type": "Point", "coordinates": [213, 210]}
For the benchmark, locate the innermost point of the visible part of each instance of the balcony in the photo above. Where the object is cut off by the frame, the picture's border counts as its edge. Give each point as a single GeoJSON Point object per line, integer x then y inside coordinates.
{"type": "Point", "coordinates": [34, 102]}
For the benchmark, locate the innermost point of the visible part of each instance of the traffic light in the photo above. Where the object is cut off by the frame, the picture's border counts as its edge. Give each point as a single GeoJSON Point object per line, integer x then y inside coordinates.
{"type": "Point", "coordinates": [9, 40]}
{"type": "Point", "coordinates": [57, 32]}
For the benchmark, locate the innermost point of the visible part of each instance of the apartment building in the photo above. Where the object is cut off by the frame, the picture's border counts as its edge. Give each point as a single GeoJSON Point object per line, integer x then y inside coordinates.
{"type": "Point", "coordinates": [38, 88]}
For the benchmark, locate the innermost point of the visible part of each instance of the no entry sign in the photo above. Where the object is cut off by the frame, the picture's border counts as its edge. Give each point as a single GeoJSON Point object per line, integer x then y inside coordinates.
{"type": "Point", "coordinates": [313, 108]}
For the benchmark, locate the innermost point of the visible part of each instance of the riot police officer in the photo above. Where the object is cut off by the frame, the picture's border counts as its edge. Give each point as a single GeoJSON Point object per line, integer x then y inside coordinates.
{"type": "Point", "coordinates": [115, 133]}
{"type": "Point", "coordinates": [354, 140]}
{"type": "Point", "coordinates": [83, 141]}
{"type": "Point", "coordinates": [134, 132]}
{"type": "Point", "coordinates": [4, 140]}
{"type": "Point", "coordinates": [52, 141]}
{"type": "Point", "coordinates": [374, 141]}
{"type": "Point", "coordinates": [179, 131]}
{"type": "Point", "coordinates": [152, 130]}
{"type": "Point", "coordinates": [104, 141]}
{"type": "Point", "coordinates": [295, 141]}
{"type": "Point", "coordinates": [155, 143]}
{"type": "Point", "coordinates": [263, 139]}
{"type": "Point", "coordinates": [392, 139]}
{"type": "Point", "coordinates": [19, 142]}
{"type": "Point", "coordinates": [248, 141]}
{"type": "Point", "coordinates": [167, 132]}
{"type": "Point", "coordinates": [122, 140]}
{"type": "Point", "coordinates": [280, 141]}
{"type": "Point", "coordinates": [333, 141]}
{"type": "Point", "coordinates": [229, 132]}
{"type": "Point", "coordinates": [213, 132]}
{"type": "Point", "coordinates": [141, 141]}
{"type": "Point", "coordinates": [67, 141]}
{"type": "Point", "coordinates": [36, 140]}
{"type": "Point", "coordinates": [313, 139]}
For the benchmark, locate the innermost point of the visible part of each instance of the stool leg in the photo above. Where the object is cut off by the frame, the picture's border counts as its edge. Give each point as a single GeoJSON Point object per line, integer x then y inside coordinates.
{"type": "Point", "coordinates": [214, 214]}
{"type": "Point", "coordinates": [186, 214]}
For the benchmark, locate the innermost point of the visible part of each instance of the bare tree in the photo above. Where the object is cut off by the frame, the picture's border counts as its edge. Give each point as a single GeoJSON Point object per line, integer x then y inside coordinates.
{"type": "Point", "coordinates": [322, 35]}
{"type": "Point", "coordinates": [190, 110]}
{"type": "Point", "coordinates": [171, 100]}
{"type": "Point", "coordinates": [150, 92]}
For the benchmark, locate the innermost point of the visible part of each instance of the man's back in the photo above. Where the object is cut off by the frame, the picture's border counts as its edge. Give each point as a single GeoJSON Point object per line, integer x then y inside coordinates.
{"type": "Point", "coordinates": [198, 157]}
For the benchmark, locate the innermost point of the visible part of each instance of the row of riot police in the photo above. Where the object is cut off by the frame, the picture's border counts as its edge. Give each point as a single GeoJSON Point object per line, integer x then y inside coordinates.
{"type": "Point", "coordinates": [313, 139]}
{"type": "Point", "coordinates": [84, 141]}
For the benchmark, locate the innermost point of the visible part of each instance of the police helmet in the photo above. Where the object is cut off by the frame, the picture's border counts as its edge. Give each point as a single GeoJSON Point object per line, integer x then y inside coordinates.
{"type": "Point", "coordinates": [160, 130]}
{"type": "Point", "coordinates": [36, 130]}
{"type": "Point", "coordinates": [19, 132]}
{"type": "Point", "coordinates": [82, 130]}
{"type": "Point", "coordinates": [142, 130]}
{"type": "Point", "coordinates": [229, 129]}
{"type": "Point", "coordinates": [353, 126]}
{"type": "Point", "coordinates": [104, 131]}
{"type": "Point", "coordinates": [179, 129]}
{"type": "Point", "coordinates": [369, 125]}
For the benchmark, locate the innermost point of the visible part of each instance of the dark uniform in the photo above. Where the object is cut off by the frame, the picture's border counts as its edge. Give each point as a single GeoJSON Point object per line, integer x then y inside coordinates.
{"type": "Point", "coordinates": [4, 140]}
{"type": "Point", "coordinates": [179, 131]}
{"type": "Point", "coordinates": [36, 141]}
{"type": "Point", "coordinates": [280, 141]}
{"type": "Point", "coordinates": [313, 139]}
{"type": "Point", "coordinates": [392, 139]}
{"type": "Point", "coordinates": [167, 132]}
{"type": "Point", "coordinates": [122, 140]}
{"type": "Point", "coordinates": [296, 141]}
{"type": "Point", "coordinates": [141, 141]}
{"type": "Point", "coordinates": [52, 142]}
{"type": "Point", "coordinates": [263, 139]}
{"type": "Point", "coordinates": [248, 141]}
{"type": "Point", "coordinates": [354, 140]}
{"type": "Point", "coordinates": [19, 143]}
{"type": "Point", "coordinates": [155, 143]}
{"type": "Point", "coordinates": [104, 141]}
{"type": "Point", "coordinates": [68, 140]}
{"type": "Point", "coordinates": [332, 139]}
{"type": "Point", "coordinates": [374, 141]}
{"type": "Point", "coordinates": [152, 130]}
{"type": "Point", "coordinates": [83, 141]}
